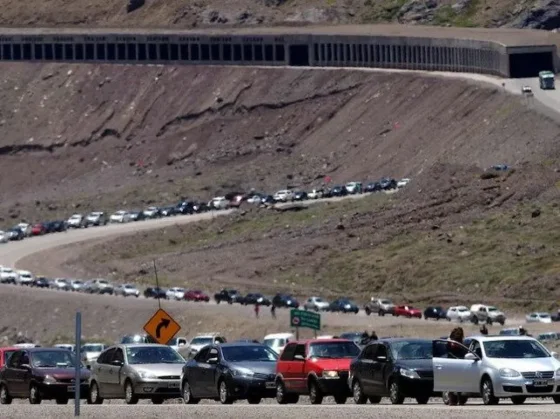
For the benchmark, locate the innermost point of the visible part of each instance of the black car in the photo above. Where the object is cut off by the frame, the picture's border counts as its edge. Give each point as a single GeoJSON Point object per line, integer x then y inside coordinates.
{"type": "Point", "coordinates": [155, 292]}
{"type": "Point", "coordinates": [388, 183]}
{"type": "Point", "coordinates": [300, 196]}
{"type": "Point", "coordinates": [256, 298]}
{"type": "Point", "coordinates": [40, 282]}
{"type": "Point", "coordinates": [435, 313]}
{"type": "Point", "coordinates": [137, 216]}
{"type": "Point", "coordinates": [396, 368]}
{"type": "Point", "coordinates": [373, 187]}
{"type": "Point", "coordinates": [16, 234]}
{"type": "Point", "coordinates": [285, 301]}
{"type": "Point", "coordinates": [185, 207]}
{"type": "Point", "coordinates": [200, 207]}
{"type": "Point", "coordinates": [229, 296]}
{"type": "Point", "coordinates": [343, 305]}
{"type": "Point", "coordinates": [229, 372]}
{"type": "Point", "coordinates": [338, 191]}
{"type": "Point", "coordinates": [168, 211]}
{"type": "Point", "coordinates": [55, 226]}
{"type": "Point", "coordinates": [268, 200]}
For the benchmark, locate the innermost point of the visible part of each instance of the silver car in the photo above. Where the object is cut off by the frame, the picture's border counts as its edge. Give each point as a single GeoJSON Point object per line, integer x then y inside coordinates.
{"type": "Point", "coordinates": [494, 367]}
{"type": "Point", "coordinates": [136, 371]}
{"type": "Point", "coordinates": [127, 290]}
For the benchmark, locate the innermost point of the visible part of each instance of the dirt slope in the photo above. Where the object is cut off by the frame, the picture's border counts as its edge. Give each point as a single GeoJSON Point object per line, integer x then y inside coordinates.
{"type": "Point", "coordinates": [106, 136]}
{"type": "Point", "coordinates": [191, 13]}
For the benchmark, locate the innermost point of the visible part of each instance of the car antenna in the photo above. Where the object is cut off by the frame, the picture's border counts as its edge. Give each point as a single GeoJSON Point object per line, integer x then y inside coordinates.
{"type": "Point", "coordinates": [157, 285]}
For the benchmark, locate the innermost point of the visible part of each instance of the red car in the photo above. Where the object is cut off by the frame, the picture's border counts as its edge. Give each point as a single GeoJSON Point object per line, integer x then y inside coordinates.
{"type": "Point", "coordinates": [196, 295]}
{"type": "Point", "coordinates": [317, 368]}
{"type": "Point", "coordinates": [38, 229]}
{"type": "Point", "coordinates": [5, 354]}
{"type": "Point", "coordinates": [407, 311]}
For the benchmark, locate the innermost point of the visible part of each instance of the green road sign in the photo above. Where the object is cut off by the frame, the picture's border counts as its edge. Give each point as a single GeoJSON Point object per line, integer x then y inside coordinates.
{"type": "Point", "coordinates": [302, 318]}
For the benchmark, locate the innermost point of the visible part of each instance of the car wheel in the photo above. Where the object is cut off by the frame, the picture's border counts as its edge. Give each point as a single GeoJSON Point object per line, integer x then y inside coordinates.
{"type": "Point", "coordinates": [368, 311]}
{"type": "Point", "coordinates": [556, 399]}
{"type": "Point", "coordinates": [422, 399]}
{"type": "Point", "coordinates": [395, 394]}
{"type": "Point", "coordinates": [358, 394]}
{"type": "Point", "coordinates": [225, 397]}
{"type": "Point", "coordinates": [62, 400]}
{"type": "Point", "coordinates": [489, 321]}
{"type": "Point", "coordinates": [518, 399]}
{"type": "Point", "coordinates": [487, 390]}
{"type": "Point", "coordinates": [462, 400]}
{"type": "Point", "coordinates": [475, 320]}
{"type": "Point", "coordinates": [374, 399]}
{"type": "Point", "coordinates": [5, 397]}
{"type": "Point", "coordinates": [381, 313]}
{"type": "Point", "coordinates": [34, 395]}
{"type": "Point", "coordinates": [129, 396]}
{"type": "Point", "coordinates": [187, 394]}
{"type": "Point", "coordinates": [281, 396]}
{"type": "Point", "coordinates": [254, 400]}
{"type": "Point", "coordinates": [340, 398]}
{"type": "Point", "coordinates": [315, 394]}
{"type": "Point", "coordinates": [157, 400]}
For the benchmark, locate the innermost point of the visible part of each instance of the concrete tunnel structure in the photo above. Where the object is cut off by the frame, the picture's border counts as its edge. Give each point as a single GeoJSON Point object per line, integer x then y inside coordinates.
{"type": "Point", "coordinates": [501, 52]}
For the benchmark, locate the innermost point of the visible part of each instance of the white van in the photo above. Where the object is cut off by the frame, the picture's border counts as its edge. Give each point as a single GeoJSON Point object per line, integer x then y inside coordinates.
{"type": "Point", "coordinates": [277, 341]}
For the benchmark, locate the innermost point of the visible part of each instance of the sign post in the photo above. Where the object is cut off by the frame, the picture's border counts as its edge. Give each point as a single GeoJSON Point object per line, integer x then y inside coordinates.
{"type": "Point", "coordinates": [307, 319]}
{"type": "Point", "coordinates": [162, 327]}
{"type": "Point", "coordinates": [78, 373]}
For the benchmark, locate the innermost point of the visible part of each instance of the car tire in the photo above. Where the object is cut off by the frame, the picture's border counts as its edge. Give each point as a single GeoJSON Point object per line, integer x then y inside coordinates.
{"type": "Point", "coordinates": [129, 396]}
{"type": "Point", "coordinates": [223, 391]}
{"type": "Point", "coordinates": [34, 395]}
{"type": "Point", "coordinates": [395, 393]}
{"type": "Point", "coordinates": [340, 398]}
{"type": "Point", "coordinates": [517, 400]}
{"type": "Point", "coordinates": [358, 393]}
{"type": "Point", "coordinates": [374, 399]}
{"type": "Point", "coordinates": [315, 393]}
{"type": "Point", "coordinates": [254, 399]}
{"type": "Point", "coordinates": [422, 399]}
{"type": "Point", "coordinates": [5, 397]}
{"type": "Point", "coordinates": [556, 399]}
{"type": "Point", "coordinates": [282, 397]}
{"type": "Point", "coordinates": [475, 320]}
{"type": "Point", "coordinates": [381, 313]}
{"type": "Point", "coordinates": [368, 311]}
{"type": "Point", "coordinates": [487, 392]}
{"type": "Point", "coordinates": [62, 400]}
{"type": "Point", "coordinates": [187, 394]}
{"type": "Point", "coordinates": [157, 400]}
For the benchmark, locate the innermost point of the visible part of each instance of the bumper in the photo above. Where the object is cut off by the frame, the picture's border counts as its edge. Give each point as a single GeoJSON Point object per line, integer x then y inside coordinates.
{"type": "Point", "coordinates": [416, 387]}
{"type": "Point", "coordinates": [335, 385]}
{"type": "Point", "coordinates": [150, 388]}
{"type": "Point", "coordinates": [508, 387]}
{"type": "Point", "coordinates": [241, 388]}
{"type": "Point", "coordinates": [55, 391]}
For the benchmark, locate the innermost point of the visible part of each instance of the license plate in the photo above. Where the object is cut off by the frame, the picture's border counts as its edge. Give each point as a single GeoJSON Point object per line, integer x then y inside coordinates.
{"type": "Point", "coordinates": [271, 384]}
{"type": "Point", "coordinates": [173, 385]}
{"type": "Point", "coordinates": [71, 388]}
{"type": "Point", "coordinates": [540, 383]}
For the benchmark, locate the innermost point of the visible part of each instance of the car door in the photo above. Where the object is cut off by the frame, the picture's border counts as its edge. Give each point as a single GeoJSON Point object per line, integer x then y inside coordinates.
{"type": "Point", "coordinates": [381, 366]}
{"type": "Point", "coordinates": [473, 368]}
{"type": "Point", "coordinates": [208, 370]}
{"type": "Point", "coordinates": [100, 371]}
{"type": "Point", "coordinates": [194, 375]}
{"type": "Point", "coordinates": [12, 376]}
{"type": "Point", "coordinates": [450, 373]}
{"type": "Point", "coordinates": [365, 368]}
{"type": "Point", "coordinates": [24, 373]}
{"type": "Point", "coordinates": [116, 369]}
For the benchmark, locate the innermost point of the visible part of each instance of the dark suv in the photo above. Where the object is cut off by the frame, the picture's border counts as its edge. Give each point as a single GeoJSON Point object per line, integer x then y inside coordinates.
{"type": "Point", "coordinates": [396, 368]}
{"type": "Point", "coordinates": [155, 292]}
{"type": "Point", "coordinates": [317, 367]}
{"type": "Point", "coordinates": [228, 296]}
{"type": "Point", "coordinates": [435, 313]}
{"type": "Point", "coordinates": [41, 373]}
{"type": "Point", "coordinates": [285, 300]}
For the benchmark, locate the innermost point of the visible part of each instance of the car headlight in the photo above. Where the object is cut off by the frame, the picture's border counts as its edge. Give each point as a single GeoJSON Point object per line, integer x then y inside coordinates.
{"type": "Point", "coordinates": [558, 373]}
{"type": "Point", "coordinates": [242, 372]}
{"type": "Point", "coordinates": [408, 373]}
{"type": "Point", "coordinates": [509, 373]}
{"type": "Point", "coordinates": [49, 379]}
{"type": "Point", "coordinates": [330, 374]}
{"type": "Point", "coordinates": [146, 374]}
{"type": "Point", "coordinates": [347, 306]}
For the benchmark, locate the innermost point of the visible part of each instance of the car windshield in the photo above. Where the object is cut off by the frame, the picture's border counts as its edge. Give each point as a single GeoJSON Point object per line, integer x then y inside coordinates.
{"type": "Point", "coordinates": [544, 316]}
{"type": "Point", "coordinates": [52, 359]}
{"type": "Point", "coordinates": [318, 300]}
{"type": "Point", "coordinates": [412, 349]}
{"type": "Point", "coordinates": [8, 355]}
{"type": "Point", "coordinates": [153, 355]}
{"type": "Point", "coordinates": [515, 349]}
{"type": "Point", "coordinates": [462, 309]}
{"type": "Point", "coordinates": [274, 343]}
{"type": "Point", "coordinates": [128, 286]}
{"type": "Point", "coordinates": [255, 353]}
{"type": "Point", "coordinates": [92, 348]}
{"type": "Point", "coordinates": [202, 341]}
{"type": "Point", "coordinates": [334, 350]}
{"type": "Point", "coordinates": [492, 309]}
{"type": "Point", "coordinates": [386, 302]}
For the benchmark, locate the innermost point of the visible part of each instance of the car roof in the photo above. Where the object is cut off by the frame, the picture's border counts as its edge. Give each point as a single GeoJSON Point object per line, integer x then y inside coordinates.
{"type": "Point", "coordinates": [311, 341]}
{"type": "Point", "coordinates": [44, 349]}
{"type": "Point", "coordinates": [279, 335]}
{"type": "Point", "coordinates": [240, 344]}
{"type": "Point", "coordinates": [401, 339]}
{"type": "Point", "coordinates": [138, 345]}
{"type": "Point", "coordinates": [502, 337]}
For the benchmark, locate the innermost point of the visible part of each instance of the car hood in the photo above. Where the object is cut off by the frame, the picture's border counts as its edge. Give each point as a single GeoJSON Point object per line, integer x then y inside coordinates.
{"type": "Point", "coordinates": [415, 364]}
{"type": "Point", "coordinates": [62, 373]}
{"type": "Point", "coordinates": [159, 369]}
{"type": "Point", "coordinates": [255, 366]}
{"type": "Point", "coordinates": [332, 364]}
{"type": "Point", "coordinates": [92, 354]}
{"type": "Point", "coordinates": [525, 364]}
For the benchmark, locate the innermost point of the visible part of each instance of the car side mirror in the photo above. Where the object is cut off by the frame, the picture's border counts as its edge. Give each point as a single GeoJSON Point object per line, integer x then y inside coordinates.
{"type": "Point", "coordinates": [25, 366]}
{"type": "Point", "coordinates": [117, 363]}
{"type": "Point", "coordinates": [212, 361]}
{"type": "Point", "coordinates": [472, 357]}
{"type": "Point", "coordinates": [299, 358]}
{"type": "Point", "coordinates": [554, 354]}
{"type": "Point", "coordinates": [381, 358]}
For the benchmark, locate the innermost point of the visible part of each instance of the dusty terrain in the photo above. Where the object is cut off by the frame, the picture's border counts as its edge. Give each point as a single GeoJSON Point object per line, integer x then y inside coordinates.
{"type": "Point", "coordinates": [190, 13]}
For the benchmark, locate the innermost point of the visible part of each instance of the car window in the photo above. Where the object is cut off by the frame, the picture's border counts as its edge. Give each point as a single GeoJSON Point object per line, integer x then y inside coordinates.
{"type": "Point", "coordinates": [253, 353]}
{"type": "Point", "coordinates": [300, 350]}
{"type": "Point", "coordinates": [212, 353]}
{"type": "Point", "coordinates": [106, 357]}
{"type": "Point", "coordinates": [202, 341]}
{"type": "Point", "coordinates": [118, 355]}
{"type": "Point", "coordinates": [288, 352]}
{"type": "Point", "coordinates": [333, 350]}
{"type": "Point", "coordinates": [476, 348]}
{"type": "Point", "coordinates": [515, 349]}
{"type": "Point", "coordinates": [201, 355]}
{"type": "Point", "coordinates": [369, 352]}
{"type": "Point", "coordinates": [152, 355]}
{"type": "Point", "coordinates": [50, 359]}
{"type": "Point", "coordinates": [411, 350]}
{"type": "Point", "coordinates": [7, 356]}
{"type": "Point", "coordinates": [13, 362]}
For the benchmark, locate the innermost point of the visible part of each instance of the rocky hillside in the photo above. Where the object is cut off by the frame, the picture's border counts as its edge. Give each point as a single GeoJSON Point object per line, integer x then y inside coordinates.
{"type": "Point", "coordinates": [541, 14]}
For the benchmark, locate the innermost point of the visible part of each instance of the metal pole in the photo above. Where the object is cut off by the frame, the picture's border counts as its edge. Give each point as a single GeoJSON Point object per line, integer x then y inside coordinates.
{"type": "Point", "coordinates": [297, 333]}
{"type": "Point", "coordinates": [157, 284]}
{"type": "Point", "coordinates": [78, 375]}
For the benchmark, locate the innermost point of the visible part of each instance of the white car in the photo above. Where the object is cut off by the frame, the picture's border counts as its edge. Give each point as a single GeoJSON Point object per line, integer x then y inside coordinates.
{"type": "Point", "coordinates": [284, 196]}
{"type": "Point", "coordinates": [527, 90]}
{"type": "Point", "coordinates": [68, 346]}
{"type": "Point", "coordinates": [24, 278]}
{"type": "Point", "coordinates": [61, 284]}
{"type": "Point", "coordinates": [175, 293]}
{"type": "Point", "coordinates": [120, 217]}
{"type": "Point", "coordinates": [8, 275]}
{"type": "Point", "coordinates": [315, 194]}
{"type": "Point", "coordinates": [151, 212]}
{"type": "Point", "coordinates": [77, 285]}
{"type": "Point", "coordinates": [255, 199]}
{"type": "Point", "coordinates": [4, 237]}
{"type": "Point", "coordinates": [200, 341]}
{"type": "Point", "coordinates": [495, 367]}
{"type": "Point", "coordinates": [458, 313]}
{"type": "Point", "coordinates": [403, 182]}
{"type": "Point", "coordinates": [219, 202]}
{"type": "Point", "coordinates": [316, 303]}
{"type": "Point", "coordinates": [538, 318]}
{"type": "Point", "coordinates": [277, 341]}
{"type": "Point", "coordinates": [127, 290]}
{"type": "Point", "coordinates": [25, 228]}
{"type": "Point", "coordinates": [353, 187]}
{"type": "Point", "coordinates": [75, 221]}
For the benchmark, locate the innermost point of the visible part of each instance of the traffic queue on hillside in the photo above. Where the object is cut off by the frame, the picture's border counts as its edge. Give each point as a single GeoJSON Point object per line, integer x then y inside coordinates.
{"type": "Point", "coordinates": [26, 229]}
{"type": "Point", "coordinates": [454, 368]}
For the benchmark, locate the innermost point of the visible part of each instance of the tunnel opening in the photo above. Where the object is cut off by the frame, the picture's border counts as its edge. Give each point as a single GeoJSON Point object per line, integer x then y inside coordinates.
{"type": "Point", "coordinates": [299, 55]}
{"type": "Point", "coordinates": [529, 64]}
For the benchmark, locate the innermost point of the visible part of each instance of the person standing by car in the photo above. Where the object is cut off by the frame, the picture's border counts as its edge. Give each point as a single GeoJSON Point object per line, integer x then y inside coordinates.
{"type": "Point", "coordinates": [483, 330]}
{"type": "Point", "coordinates": [257, 309]}
{"type": "Point", "coordinates": [365, 338]}
{"type": "Point", "coordinates": [373, 336]}
{"type": "Point", "coordinates": [455, 349]}
{"type": "Point", "coordinates": [273, 311]}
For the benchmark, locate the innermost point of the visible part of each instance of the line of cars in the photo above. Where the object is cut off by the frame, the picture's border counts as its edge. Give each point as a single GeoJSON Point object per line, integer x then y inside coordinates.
{"type": "Point", "coordinates": [487, 367]}
{"type": "Point", "coordinates": [230, 200]}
